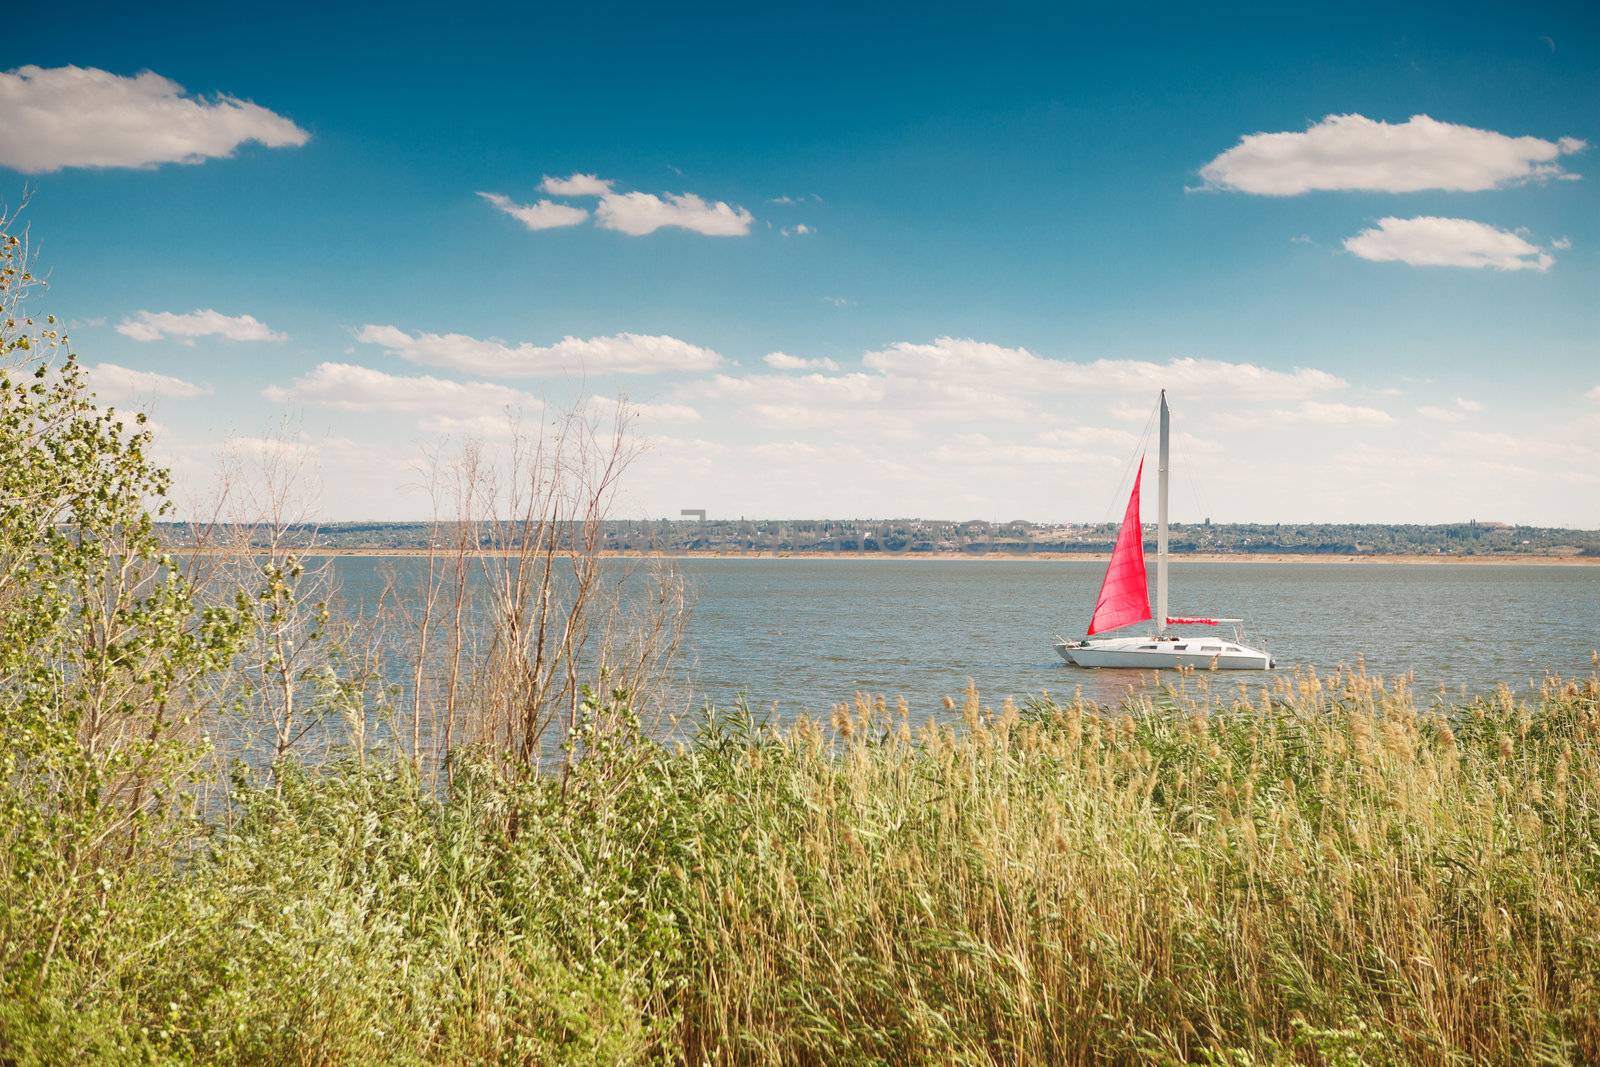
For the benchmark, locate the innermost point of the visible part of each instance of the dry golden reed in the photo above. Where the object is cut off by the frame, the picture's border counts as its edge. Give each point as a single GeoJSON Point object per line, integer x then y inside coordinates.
{"type": "Point", "coordinates": [1317, 871]}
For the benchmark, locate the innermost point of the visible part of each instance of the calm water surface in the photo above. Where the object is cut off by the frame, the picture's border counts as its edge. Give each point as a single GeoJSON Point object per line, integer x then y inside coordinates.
{"type": "Point", "coordinates": [803, 634]}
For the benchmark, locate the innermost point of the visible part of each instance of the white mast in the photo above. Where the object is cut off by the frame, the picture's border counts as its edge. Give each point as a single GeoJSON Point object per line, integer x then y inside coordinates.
{"type": "Point", "coordinates": [1161, 528]}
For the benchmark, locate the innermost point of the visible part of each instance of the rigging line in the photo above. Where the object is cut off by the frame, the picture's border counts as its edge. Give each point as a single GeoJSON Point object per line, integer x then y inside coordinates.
{"type": "Point", "coordinates": [1106, 516]}
{"type": "Point", "coordinates": [1110, 512]}
{"type": "Point", "coordinates": [1196, 489]}
{"type": "Point", "coordinates": [1190, 471]}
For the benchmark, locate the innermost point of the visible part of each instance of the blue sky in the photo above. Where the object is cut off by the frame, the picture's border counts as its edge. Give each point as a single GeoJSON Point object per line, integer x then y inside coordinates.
{"type": "Point", "coordinates": [1024, 183]}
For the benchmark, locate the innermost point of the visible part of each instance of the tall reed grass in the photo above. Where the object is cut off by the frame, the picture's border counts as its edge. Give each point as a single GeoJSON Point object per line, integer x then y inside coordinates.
{"type": "Point", "coordinates": [1318, 870]}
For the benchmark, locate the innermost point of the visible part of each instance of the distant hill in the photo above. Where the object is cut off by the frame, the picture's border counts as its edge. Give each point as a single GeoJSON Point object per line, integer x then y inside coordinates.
{"type": "Point", "coordinates": [911, 536]}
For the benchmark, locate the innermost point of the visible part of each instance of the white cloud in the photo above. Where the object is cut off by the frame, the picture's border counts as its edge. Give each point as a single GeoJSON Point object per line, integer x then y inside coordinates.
{"type": "Point", "coordinates": [113, 383]}
{"type": "Point", "coordinates": [1494, 442]}
{"type": "Point", "coordinates": [1079, 436]}
{"type": "Point", "coordinates": [780, 476]}
{"type": "Point", "coordinates": [1561, 244]}
{"type": "Point", "coordinates": [637, 214]}
{"type": "Point", "coordinates": [784, 361]}
{"type": "Point", "coordinates": [1459, 411]}
{"type": "Point", "coordinates": [797, 400]}
{"type": "Point", "coordinates": [297, 448]}
{"type": "Point", "coordinates": [920, 438]}
{"type": "Point", "coordinates": [1130, 412]}
{"type": "Point", "coordinates": [645, 412]}
{"type": "Point", "coordinates": [84, 117]}
{"type": "Point", "coordinates": [1430, 241]}
{"type": "Point", "coordinates": [908, 391]}
{"type": "Point", "coordinates": [797, 230]}
{"type": "Point", "coordinates": [327, 475]}
{"type": "Point", "coordinates": [544, 215]}
{"type": "Point", "coordinates": [623, 353]}
{"type": "Point", "coordinates": [1322, 414]}
{"type": "Point", "coordinates": [663, 412]}
{"type": "Point", "coordinates": [1310, 413]}
{"type": "Point", "coordinates": [1355, 152]}
{"type": "Point", "coordinates": [576, 185]}
{"type": "Point", "coordinates": [977, 366]}
{"type": "Point", "coordinates": [976, 450]}
{"type": "Point", "coordinates": [155, 325]}
{"type": "Point", "coordinates": [503, 426]}
{"type": "Point", "coordinates": [346, 387]}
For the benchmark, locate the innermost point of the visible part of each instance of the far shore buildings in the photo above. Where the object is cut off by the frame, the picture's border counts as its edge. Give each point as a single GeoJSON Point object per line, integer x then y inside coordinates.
{"type": "Point", "coordinates": [694, 532]}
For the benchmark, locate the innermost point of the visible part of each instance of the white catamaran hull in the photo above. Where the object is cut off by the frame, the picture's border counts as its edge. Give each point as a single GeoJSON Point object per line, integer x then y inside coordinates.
{"type": "Point", "coordinates": [1147, 653]}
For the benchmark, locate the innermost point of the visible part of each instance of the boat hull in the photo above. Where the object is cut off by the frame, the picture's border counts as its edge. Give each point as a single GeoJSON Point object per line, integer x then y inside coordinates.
{"type": "Point", "coordinates": [1144, 653]}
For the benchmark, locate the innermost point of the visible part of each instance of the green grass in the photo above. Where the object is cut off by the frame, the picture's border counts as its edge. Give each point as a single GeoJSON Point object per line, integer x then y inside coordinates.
{"type": "Point", "coordinates": [1314, 873]}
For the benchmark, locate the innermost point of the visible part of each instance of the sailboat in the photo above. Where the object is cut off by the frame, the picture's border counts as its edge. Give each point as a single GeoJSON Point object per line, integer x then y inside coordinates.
{"type": "Point", "coordinates": [1125, 600]}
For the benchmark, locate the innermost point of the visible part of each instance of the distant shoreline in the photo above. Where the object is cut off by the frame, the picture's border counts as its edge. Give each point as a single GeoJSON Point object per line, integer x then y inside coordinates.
{"type": "Point", "coordinates": [993, 557]}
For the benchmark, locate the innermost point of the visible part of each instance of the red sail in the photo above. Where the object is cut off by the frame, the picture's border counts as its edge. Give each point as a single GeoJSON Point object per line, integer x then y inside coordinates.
{"type": "Point", "coordinates": [1191, 620]}
{"type": "Point", "coordinates": [1124, 597]}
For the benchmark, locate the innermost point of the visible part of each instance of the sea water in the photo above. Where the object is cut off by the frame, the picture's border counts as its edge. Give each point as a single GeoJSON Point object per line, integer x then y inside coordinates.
{"type": "Point", "coordinates": [799, 635]}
